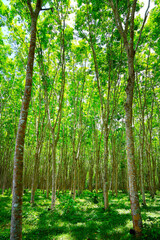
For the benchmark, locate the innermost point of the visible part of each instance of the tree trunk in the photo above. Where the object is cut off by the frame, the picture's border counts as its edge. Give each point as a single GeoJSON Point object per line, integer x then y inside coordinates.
{"type": "Point", "coordinates": [74, 175]}
{"type": "Point", "coordinates": [116, 177]}
{"type": "Point", "coordinates": [127, 33]}
{"type": "Point", "coordinates": [97, 170]}
{"type": "Point", "coordinates": [48, 169]}
{"type": "Point", "coordinates": [105, 175]}
{"type": "Point", "coordinates": [134, 199]}
{"type": "Point", "coordinates": [91, 167]}
{"type": "Point", "coordinates": [16, 219]}
{"type": "Point", "coordinates": [141, 165]}
{"type": "Point", "coordinates": [35, 175]}
{"type": "Point", "coordinates": [53, 174]}
{"type": "Point", "coordinates": [154, 174]}
{"type": "Point", "coordinates": [113, 185]}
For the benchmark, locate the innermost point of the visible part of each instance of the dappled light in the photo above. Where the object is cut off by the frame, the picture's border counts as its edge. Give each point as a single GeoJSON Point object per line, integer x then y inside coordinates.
{"type": "Point", "coordinates": [77, 219]}
{"type": "Point", "coordinates": [79, 119]}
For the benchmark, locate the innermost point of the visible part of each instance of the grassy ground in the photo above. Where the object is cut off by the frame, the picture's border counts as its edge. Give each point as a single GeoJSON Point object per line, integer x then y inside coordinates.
{"type": "Point", "coordinates": [81, 219]}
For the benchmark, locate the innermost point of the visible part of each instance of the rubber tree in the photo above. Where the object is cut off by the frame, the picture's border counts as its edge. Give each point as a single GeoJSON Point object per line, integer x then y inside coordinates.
{"type": "Point", "coordinates": [54, 126]}
{"type": "Point", "coordinates": [40, 133]}
{"type": "Point", "coordinates": [90, 23]}
{"type": "Point", "coordinates": [16, 219]}
{"type": "Point", "coordinates": [126, 31]}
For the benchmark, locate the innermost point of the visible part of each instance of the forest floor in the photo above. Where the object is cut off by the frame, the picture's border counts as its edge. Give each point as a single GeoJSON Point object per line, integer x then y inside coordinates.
{"type": "Point", "coordinates": [80, 219]}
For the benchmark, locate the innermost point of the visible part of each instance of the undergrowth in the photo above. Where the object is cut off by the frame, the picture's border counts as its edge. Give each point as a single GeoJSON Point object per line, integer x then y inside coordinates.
{"type": "Point", "coordinates": [81, 219]}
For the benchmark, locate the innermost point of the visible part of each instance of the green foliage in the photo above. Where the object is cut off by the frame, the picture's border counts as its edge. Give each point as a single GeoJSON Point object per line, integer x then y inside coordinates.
{"type": "Point", "coordinates": [81, 112]}
{"type": "Point", "coordinates": [67, 205]}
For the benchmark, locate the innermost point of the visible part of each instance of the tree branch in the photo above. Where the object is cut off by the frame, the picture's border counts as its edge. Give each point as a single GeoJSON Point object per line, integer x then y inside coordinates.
{"type": "Point", "coordinates": [29, 6]}
{"type": "Point", "coordinates": [39, 4]}
{"type": "Point", "coordinates": [127, 17]}
{"type": "Point", "coordinates": [44, 9]}
{"type": "Point", "coordinates": [38, 7]}
{"type": "Point", "coordinates": [132, 24]}
{"type": "Point", "coordinates": [119, 24]}
{"type": "Point", "coordinates": [145, 18]}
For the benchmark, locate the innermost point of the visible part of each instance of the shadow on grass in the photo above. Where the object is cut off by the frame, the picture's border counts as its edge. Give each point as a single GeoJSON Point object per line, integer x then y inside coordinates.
{"type": "Point", "coordinates": [78, 219]}
{"type": "Point", "coordinates": [101, 225]}
{"type": "Point", "coordinates": [49, 226]}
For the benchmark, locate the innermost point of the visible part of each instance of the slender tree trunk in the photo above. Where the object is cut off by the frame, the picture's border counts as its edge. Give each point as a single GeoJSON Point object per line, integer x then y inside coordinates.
{"type": "Point", "coordinates": [65, 182]}
{"type": "Point", "coordinates": [141, 138]}
{"type": "Point", "coordinates": [91, 167]}
{"type": "Point", "coordinates": [158, 173]}
{"type": "Point", "coordinates": [35, 175]}
{"type": "Point", "coordinates": [116, 177]}
{"type": "Point", "coordinates": [134, 199]}
{"type": "Point", "coordinates": [113, 165]}
{"type": "Point", "coordinates": [5, 168]}
{"type": "Point", "coordinates": [105, 175]}
{"type": "Point", "coordinates": [142, 178]}
{"type": "Point", "coordinates": [141, 168]}
{"type": "Point", "coordinates": [97, 170]}
{"type": "Point", "coordinates": [16, 219]}
{"type": "Point", "coordinates": [154, 174]}
{"type": "Point", "coordinates": [4, 181]}
{"type": "Point", "coordinates": [74, 169]}
{"type": "Point", "coordinates": [79, 176]}
{"type": "Point", "coordinates": [96, 157]}
{"type": "Point", "coordinates": [53, 174]}
{"type": "Point", "coordinates": [142, 158]}
{"type": "Point", "coordinates": [48, 170]}
{"type": "Point", "coordinates": [127, 33]}
{"type": "Point", "coordinates": [39, 125]}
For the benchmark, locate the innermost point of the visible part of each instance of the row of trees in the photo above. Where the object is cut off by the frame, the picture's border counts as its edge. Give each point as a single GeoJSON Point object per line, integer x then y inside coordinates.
{"type": "Point", "coordinates": [79, 119]}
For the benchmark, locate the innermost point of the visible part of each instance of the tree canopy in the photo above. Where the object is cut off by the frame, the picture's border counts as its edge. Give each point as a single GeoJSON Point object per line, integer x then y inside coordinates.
{"type": "Point", "coordinates": [76, 137]}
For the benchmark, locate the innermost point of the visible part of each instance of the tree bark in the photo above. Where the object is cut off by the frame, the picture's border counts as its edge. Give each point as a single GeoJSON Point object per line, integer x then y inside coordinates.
{"type": "Point", "coordinates": [16, 219]}
{"type": "Point", "coordinates": [127, 33]}
{"type": "Point", "coordinates": [105, 174]}
{"type": "Point", "coordinates": [91, 172]}
{"type": "Point", "coordinates": [113, 181]}
{"type": "Point", "coordinates": [134, 199]}
{"type": "Point", "coordinates": [53, 173]}
{"type": "Point", "coordinates": [48, 169]}
{"type": "Point", "coordinates": [141, 166]}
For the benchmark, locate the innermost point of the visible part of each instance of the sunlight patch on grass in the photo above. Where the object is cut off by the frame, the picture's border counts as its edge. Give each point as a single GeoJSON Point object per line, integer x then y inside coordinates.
{"type": "Point", "coordinates": [31, 217]}
{"type": "Point", "coordinates": [115, 200]}
{"type": "Point", "coordinates": [27, 227]}
{"type": "Point", "coordinates": [5, 196]}
{"type": "Point", "coordinates": [123, 211]}
{"type": "Point", "coordinates": [81, 200]}
{"type": "Point", "coordinates": [153, 214]}
{"type": "Point", "coordinates": [40, 197]}
{"type": "Point", "coordinates": [59, 223]}
{"type": "Point", "coordinates": [129, 224]}
{"type": "Point", "coordinates": [118, 230]}
{"type": "Point", "coordinates": [64, 237]}
{"type": "Point", "coordinates": [81, 224]}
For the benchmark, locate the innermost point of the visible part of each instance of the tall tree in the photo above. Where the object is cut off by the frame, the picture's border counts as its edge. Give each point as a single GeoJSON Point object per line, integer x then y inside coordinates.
{"type": "Point", "coordinates": [126, 30]}
{"type": "Point", "coordinates": [16, 219]}
{"type": "Point", "coordinates": [93, 23]}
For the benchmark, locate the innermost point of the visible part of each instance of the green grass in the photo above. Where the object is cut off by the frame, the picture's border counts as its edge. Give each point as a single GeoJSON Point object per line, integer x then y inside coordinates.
{"type": "Point", "coordinates": [80, 219]}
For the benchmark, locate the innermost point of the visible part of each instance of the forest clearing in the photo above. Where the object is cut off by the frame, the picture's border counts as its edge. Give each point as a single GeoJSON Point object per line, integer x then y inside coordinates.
{"type": "Point", "coordinates": [79, 119]}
